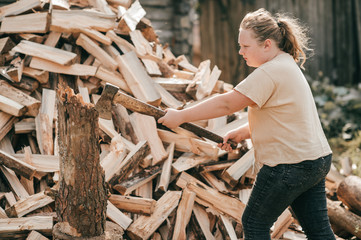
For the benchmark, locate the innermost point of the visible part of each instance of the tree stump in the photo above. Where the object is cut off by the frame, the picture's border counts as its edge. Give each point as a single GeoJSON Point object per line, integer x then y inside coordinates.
{"type": "Point", "coordinates": [349, 192]}
{"type": "Point", "coordinates": [82, 200]}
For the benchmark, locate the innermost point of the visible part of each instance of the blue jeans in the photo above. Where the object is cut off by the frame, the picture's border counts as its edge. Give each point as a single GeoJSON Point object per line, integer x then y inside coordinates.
{"type": "Point", "coordinates": [301, 186]}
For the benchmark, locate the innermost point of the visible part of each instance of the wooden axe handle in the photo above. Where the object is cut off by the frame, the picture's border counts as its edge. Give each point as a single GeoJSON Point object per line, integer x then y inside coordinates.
{"type": "Point", "coordinates": [136, 105]}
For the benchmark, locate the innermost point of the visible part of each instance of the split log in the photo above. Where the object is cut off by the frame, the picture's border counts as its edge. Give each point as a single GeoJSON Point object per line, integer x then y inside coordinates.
{"type": "Point", "coordinates": [11, 226]}
{"type": "Point", "coordinates": [130, 162]}
{"type": "Point", "coordinates": [32, 105]}
{"type": "Point", "coordinates": [145, 226]}
{"type": "Point", "coordinates": [137, 78]}
{"type": "Point", "coordinates": [146, 129]}
{"type": "Point", "coordinates": [52, 54]}
{"type": "Point", "coordinates": [81, 202]}
{"type": "Point", "coordinates": [74, 69]}
{"type": "Point", "coordinates": [349, 192]}
{"type": "Point", "coordinates": [25, 206]}
{"type": "Point", "coordinates": [187, 161]}
{"type": "Point", "coordinates": [164, 178]}
{"type": "Point", "coordinates": [129, 185]}
{"type": "Point", "coordinates": [6, 44]}
{"type": "Point", "coordinates": [239, 168]}
{"type": "Point", "coordinates": [131, 204]}
{"type": "Point", "coordinates": [93, 48]}
{"type": "Point", "coordinates": [203, 221]}
{"type": "Point", "coordinates": [20, 24]}
{"type": "Point", "coordinates": [343, 218]}
{"type": "Point", "coordinates": [117, 216]}
{"type": "Point", "coordinates": [122, 123]}
{"type": "Point", "coordinates": [72, 21]}
{"type": "Point", "coordinates": [34, 235]}
{"type": "Point", "coordinates": [18, 166]}
{"type": "Point", "coordinates": [184, 212]}
{"type": "Point", "coordinates": [18, 7]}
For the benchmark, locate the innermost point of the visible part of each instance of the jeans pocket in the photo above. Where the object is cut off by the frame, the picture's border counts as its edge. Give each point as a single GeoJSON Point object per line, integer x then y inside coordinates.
{"type": "Point", "coordinates": [298, 175]}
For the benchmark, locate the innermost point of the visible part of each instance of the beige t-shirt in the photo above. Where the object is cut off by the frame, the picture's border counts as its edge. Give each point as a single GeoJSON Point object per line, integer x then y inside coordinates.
{"type": "Point", "coordinates": [285, 127]}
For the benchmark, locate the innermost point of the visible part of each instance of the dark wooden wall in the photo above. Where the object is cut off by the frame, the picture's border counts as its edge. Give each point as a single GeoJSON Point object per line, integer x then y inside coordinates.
{"type": "Point", "coordinates": [334, 29]}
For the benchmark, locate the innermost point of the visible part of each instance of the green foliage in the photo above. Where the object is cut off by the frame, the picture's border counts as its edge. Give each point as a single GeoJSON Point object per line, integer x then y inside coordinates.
{"type": "Point", "coordinates": [339, 109]}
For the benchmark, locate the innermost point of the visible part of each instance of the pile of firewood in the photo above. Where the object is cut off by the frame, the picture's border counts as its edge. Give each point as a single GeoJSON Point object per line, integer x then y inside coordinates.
{"type": "Point", "coordinates": [161, 184]}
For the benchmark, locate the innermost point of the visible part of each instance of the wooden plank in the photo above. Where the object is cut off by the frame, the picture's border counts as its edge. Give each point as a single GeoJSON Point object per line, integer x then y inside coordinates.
{"type": "Point", "coordinates": [282, 224]}
{"type": "Point", "coordinates": [166, 170]}
{"type": "Point", "coordinates": [93, 48]}
{"type": "Point", "coordinates": [14, 183]}
{"type": "Point", "coordinates": [129, 185]}
{"type": "Point", "coordinates": [184, 212]}
{"type": "Point", "coordinates": [131, 161]}
{"type": "Point", "coordinates": [239, 168]}
{"type": "Point", "coordinates": [11, 107]}
{"type": "Point", "coordinates": [32, 105]}
{"type": "Point", "coordinates": [146, 129]}
{"type": "Point", "coordinates": [42, 163]}
{"type": "Point", "coordinates": [15, 225]}
{"type": "Point", "coordinates": [16, 165]}
{"type": "Point", "coordinates": [133, 15]}
{"type": "Point", "coordinates": [18, 7]}
{"type": "Point", "coordinates": [52, 54]}
{"type": "Point", "coordinates": [74, 69]}
{"type": "Point", "coordinates": [203, 221]}
{"type": "Point", "coordinates": [52, 39]}
{"type": "Point", "coordinates": [132, 204]}
{"type": "Point", "coordinates": [10, 198]}
{"type": "Point", "coordinates": [137, 79]}
{"type": "Point", "coordinates": [97, 36]}
{"type": "Point", "coordinates": [123, 44]}
{"type": "Point", "coordinates": [167, 98]}
{"type": "Point", "coordinates": [221, 202]}
{"type": "Point", "coordinates": [145, 226]}
{"type": "Point", "coordinates": [41, 76]}
{"type": "Point", "coordinates": [20, 24]}
{"type": "Point", "coordinates": [34, 235]}
{"type": "Point", "coordinates": [213, 181]}
{"type": "Point", "coordinates": [207, 84]}
{"type": "Point", "coordinates": [201, 75]}
{"type": "Point", "coordinates": [6, 44]}
{"type": "Point", "coordinates": [117, 216]}
{"type": "Point", "coordinates": [226, 223]}
{"type": "Point", "coordinates": [44, 122]}
{"type": "Point", "coordinates": [187, 161]}
{"type": "Point", "coordinates": [74, 20]}
{"type": "Point", "coordinates": [29, 204]}
{"type": "Point", "coordinates": [15, 69]}
{"type": "Point", "coordinates": [111, 163]}
{"type": "Point", "coordinates": [189, 144]}
{"type": "Point", "coordinates": [112, 77]}
{"type": "Point", "coordinates": [3, 213]}
{"type": "Point", "coordinates": [60, 4]}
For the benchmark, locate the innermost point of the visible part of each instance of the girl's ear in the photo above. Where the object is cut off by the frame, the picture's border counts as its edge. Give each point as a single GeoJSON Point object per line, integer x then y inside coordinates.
{"type": "Point", "coordinates": [267, 44]}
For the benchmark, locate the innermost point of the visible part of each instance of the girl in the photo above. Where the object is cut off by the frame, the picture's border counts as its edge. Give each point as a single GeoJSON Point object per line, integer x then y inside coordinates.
{"type": "Point", "coordinates": [283, 125]}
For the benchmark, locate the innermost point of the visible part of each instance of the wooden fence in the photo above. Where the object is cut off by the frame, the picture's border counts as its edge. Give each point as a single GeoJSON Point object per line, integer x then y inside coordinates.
{"type": "Point", "coordinates": [334, 29]}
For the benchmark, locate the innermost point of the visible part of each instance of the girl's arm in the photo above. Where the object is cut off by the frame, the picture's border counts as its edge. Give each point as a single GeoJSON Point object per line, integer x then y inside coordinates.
{"type": "Point", "coordinates": [217, 106]}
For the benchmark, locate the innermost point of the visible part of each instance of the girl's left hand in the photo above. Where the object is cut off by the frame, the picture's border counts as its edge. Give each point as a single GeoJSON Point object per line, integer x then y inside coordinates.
{"type": "Point", "coordinates": [172, 118]}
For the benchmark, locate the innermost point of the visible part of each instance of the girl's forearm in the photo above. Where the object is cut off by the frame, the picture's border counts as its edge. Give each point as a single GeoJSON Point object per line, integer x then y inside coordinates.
{"type": "Point", "coordinates": [217, 106]}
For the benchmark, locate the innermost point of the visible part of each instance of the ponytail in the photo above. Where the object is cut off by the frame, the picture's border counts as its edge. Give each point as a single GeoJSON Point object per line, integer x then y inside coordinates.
{"type": "Point", "coordinates": [287, 32]}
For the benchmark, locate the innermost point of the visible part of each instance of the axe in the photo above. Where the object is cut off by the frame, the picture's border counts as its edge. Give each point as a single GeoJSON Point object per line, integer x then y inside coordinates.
{"type": "Point", "coordinates": [111, 95]}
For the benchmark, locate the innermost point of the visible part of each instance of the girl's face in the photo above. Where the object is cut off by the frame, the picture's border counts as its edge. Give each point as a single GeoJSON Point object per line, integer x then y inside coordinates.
{"type": "Point", "coordinates": [252, 51]}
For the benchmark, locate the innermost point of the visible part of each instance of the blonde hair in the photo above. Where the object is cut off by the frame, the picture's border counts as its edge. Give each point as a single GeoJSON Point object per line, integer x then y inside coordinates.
{"type": "Point", "coordinates": [286, 31]}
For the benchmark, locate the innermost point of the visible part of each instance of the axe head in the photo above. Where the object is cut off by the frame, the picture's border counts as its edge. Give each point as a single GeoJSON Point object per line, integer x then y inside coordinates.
{"type": "Point", "coordinates": [104, 104]}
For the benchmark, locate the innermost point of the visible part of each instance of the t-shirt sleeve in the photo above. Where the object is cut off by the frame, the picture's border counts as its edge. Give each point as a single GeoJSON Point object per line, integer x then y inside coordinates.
{"type": "Point", "coordinates": [258, 86]}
